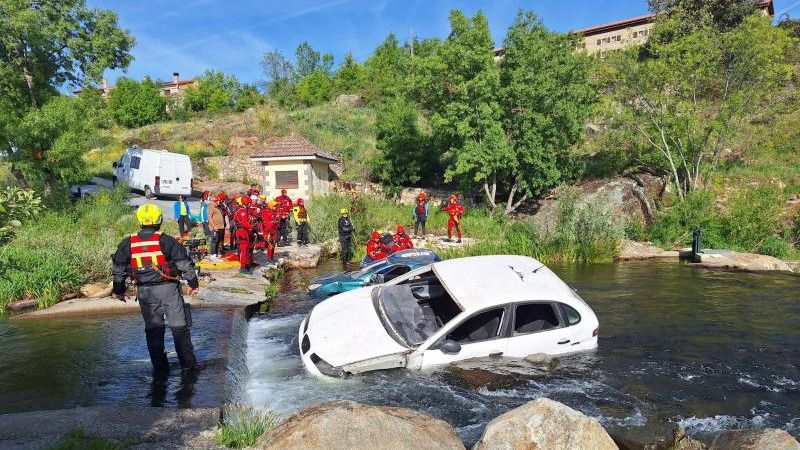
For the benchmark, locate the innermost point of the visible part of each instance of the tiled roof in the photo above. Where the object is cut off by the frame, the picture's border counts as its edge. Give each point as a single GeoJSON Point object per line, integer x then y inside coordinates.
{"type": "Point", "coordinates": [167, 84]}
{"type": "Point", "coordinates": [292, 146]}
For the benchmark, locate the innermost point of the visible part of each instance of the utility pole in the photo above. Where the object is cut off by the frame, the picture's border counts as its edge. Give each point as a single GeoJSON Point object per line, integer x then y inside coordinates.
{"type": "Point", "coordinates": [411, 41]}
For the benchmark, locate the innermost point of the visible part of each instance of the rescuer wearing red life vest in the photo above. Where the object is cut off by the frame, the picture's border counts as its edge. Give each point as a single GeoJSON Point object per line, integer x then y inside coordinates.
{"type": "Point", "coordinates": [402, 241]}
{"type": "Point", "coordinates": [420, 213]}
{"type": "Point", "coordinates": [285, 206]}
{"type": "Point", "coordinates": [376, 250]}
{"type": "Point", "coordinates": [244, 235]}
{"type": "Point", "coordinates": [454, 209]}
{"type": "Point", "coordinates": [154, 262]}
{"type": "Point", "coordinates": [269, 228]}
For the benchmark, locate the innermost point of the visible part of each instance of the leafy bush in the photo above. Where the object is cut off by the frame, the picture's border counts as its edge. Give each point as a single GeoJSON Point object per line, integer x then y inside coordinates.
{"type": "Point", "coordinates": [215, 92]}
{"type": "Point", "coordinates": [17, 206]}
{"type": "Point", "coordinates": [314, 88]}
{"type": "Point", "coordinates": [673, 226]}
{"type": "Point", "coordinates": [134, 104]}
{"type": "Point", "coordinates": [64, 249]}
{"type": "Point", "coordinates": [242, 425]}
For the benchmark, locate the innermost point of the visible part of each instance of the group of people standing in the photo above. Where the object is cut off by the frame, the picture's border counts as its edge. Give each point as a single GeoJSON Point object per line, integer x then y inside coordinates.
{"type": "Point", "coordinates": [252, 221]}
{"type": "Point", "coordinates": [381, 245]}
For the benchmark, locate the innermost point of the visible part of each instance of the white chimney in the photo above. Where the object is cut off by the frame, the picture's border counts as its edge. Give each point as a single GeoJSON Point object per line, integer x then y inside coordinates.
{"type": "Point", "coordinates": [105, 85]}
{"type": "Point", "coordinates": [175, 77]}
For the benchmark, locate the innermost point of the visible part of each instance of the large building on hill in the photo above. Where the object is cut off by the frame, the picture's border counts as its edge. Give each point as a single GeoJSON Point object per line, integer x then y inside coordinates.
{"type": "Point", "coordinates": [176, 87]}
{"type": "Point", "coordinates": [626, 33]}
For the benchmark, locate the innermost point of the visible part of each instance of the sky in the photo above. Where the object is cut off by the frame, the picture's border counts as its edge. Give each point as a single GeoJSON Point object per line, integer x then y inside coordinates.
{"type": "Point", "coordinates": [189, 36]}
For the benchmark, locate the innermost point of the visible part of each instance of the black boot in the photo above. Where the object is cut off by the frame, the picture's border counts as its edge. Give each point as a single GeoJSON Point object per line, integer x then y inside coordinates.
{"type": "Point", "coordinates": [184, 347]}
{"type": "Point", "coordinates": [155, 346]}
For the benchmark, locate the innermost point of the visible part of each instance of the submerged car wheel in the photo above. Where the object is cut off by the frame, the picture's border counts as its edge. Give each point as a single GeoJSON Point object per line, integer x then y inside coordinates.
{"type": "Point", "coordinates": [148, 193]}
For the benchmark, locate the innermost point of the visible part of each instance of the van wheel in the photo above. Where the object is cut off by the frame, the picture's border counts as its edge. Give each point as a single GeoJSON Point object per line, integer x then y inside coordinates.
{"type": "Point", "coordinates": [148, 193]}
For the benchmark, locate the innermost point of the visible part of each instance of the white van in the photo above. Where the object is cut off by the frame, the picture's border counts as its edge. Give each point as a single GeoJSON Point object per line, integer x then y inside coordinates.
{"type": "Point", "coordinates": [156, 172]}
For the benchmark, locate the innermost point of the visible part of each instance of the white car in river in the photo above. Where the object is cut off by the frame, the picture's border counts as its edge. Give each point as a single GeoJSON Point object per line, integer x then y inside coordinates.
{"type": "Point", "coordinates": [448, 311]}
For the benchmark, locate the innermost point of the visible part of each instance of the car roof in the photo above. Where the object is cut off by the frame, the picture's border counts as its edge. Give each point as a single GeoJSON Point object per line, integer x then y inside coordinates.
{"type": "Point", "coordinates": [483, 281]}
{"type": "Point", "coordinates": [419, 256]}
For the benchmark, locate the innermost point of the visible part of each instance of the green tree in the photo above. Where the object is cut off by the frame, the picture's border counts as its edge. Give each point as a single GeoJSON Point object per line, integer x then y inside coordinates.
{"type": "Point", "coordinates": [315, 88]}
{"type": "Point", "coordinates": [725, 14]}
{"type": "Point", "coordinates": [387, 68]}
{"type": "Point", "coordinates": [280, 74]}
{"type": "Point", "coordinates": [134, 104]}
{"type": "Point", "coordinates": [44, 45]}
{"type": "Point", "coordinates": [247, 96]}
{"type": "Point", "coordinates": [51, 141]}
{"type": "Point", "coordinates": [404, 155]}
{"type": "Point", "coordinates": [686, 102]}
{"type": "Point", "coordinates": [215, 92]}
{"type": "Point", "coordinates": [309, 60]}
{"type": "Point", "coordinates": [546, 98]}
{"type": "Point", "coordinates": [351, 77]}
{"type": "Point", "coordinates": [459, 85]}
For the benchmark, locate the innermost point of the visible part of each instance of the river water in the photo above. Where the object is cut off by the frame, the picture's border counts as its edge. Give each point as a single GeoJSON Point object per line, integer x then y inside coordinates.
{"type": "Point", "coordinates": [708, 350]}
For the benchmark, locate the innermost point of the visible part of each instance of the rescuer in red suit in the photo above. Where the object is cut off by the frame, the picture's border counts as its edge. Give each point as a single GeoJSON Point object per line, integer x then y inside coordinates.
{"type": "Point", "coordinates": [402, 241]}
{"type": "Point", "coordinates": [285, 206]}
{"type": "Point", "coordinates": [244, 235]}
{"type": "Point", "coordinates": [375, 248]}
{"type": "Point", "coordinates": [269, 227]}
{"type": "Point", "coordinates": [454, 209]}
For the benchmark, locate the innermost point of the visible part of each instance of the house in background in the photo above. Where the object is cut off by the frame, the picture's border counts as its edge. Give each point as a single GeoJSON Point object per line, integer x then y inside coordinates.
{"type": "Point", "coordinates": [176, 87]}
{"type": "Point", "coordinates": [104, 89]}
{"type": "Point", "coordinates": [625, 33]}
{"type": "Point", "coordinates": [295, 164]}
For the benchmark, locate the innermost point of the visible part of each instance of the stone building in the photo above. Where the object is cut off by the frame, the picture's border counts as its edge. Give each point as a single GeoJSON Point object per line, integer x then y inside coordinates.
{"type": "Point", "coordinates": [176, 87]}
{"type": "Point", "coordinates": [295, 164]}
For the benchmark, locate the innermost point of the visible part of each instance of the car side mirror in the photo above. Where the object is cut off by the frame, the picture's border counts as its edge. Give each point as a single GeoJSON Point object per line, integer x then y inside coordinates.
{"type": "Point", "coordinates": [450, 347]}
{"type": "Point", "coordinates": [114, 164]}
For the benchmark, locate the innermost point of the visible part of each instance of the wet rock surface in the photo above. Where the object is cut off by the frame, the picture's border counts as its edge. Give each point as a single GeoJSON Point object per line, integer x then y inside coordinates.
{"type": "Point", "coordinates": [141, 427]}
{"type": "Point", "coordinates": [673, 437]}
{"type": "Point", "coordinates": [297, 257]}
{"type": "Point", "coordinates": [634, 251]}
{"type": "Point", "coordinates": [765, 439]}
{"type": "Point", "coordinates": [352, 426]}
{"type": "Point", "coordinates": [545, 424]}
{"type": "Point", "coordinates": [747, 262]}
{"type": "Point", "coordinates": [499, 373]}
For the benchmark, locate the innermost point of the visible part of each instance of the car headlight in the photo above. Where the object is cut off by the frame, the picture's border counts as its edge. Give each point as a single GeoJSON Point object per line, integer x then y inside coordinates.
{"type": "Point", "coordinates": [327, 369]}
{"type": "Point", "coordinates": [314, 287]}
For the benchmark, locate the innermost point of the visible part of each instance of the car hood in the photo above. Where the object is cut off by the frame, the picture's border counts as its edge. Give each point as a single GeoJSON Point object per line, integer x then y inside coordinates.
{"type": "Point", "coordinates": [346, 329]}
{"type": "Point", "coordinates": [331, 278]}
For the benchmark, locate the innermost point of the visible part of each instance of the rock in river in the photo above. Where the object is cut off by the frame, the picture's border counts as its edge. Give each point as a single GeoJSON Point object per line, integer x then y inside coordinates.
{"type": "Point", "coordinates": [348, 425]}
{"type": "Point", "coordinates": [766, 439]}
{"type": "Point", "coordinates": [545, 424]}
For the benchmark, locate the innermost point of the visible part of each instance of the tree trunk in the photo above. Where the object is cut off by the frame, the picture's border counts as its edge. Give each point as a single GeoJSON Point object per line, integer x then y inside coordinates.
{"type": "Point", "coordinates": [491, 193]}
{"type": "Point", "coordinates": [511, 206]}
{"type": "Point", "coordinates": [20, 177]}
{"type": "Point", "coordinates": [31, 86]}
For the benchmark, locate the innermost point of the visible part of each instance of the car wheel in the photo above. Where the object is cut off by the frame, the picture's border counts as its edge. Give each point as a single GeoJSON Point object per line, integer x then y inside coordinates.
{"type": "Point", "coordinates": [148, 193]}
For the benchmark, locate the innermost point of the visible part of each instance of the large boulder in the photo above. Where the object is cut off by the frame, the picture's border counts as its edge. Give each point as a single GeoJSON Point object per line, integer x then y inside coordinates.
{"type": "Point", "coordinates": [545, 424]}
{"type": "Point", "coordinates": [300, 257]}
{"type": "Point", "coordinates": [631, 197]}
{"type": "Point", "coordinates": [96, 290]}
{"type": "Point", "coordinates": [766, 439]}
{"type": "Point", "coordinates": [348, 425]}
{"type": "Point", "coordinates": [747, 262]}
{"type": "Point", "coordinates": [632, 251]}
{"type": "Point", "coordinates": [668, 437]}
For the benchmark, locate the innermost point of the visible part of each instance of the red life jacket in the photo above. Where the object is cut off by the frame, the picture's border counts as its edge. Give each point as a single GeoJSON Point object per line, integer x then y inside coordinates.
{"type": "Point", "coordinates": [420, 209]}
{"type": "Point", "coordinates": [148, 263]}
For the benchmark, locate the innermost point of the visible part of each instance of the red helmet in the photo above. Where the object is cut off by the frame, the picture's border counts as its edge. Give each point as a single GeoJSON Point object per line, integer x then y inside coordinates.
{"type": "Point", "coordinates": [235, 196]}
{"type": "Point", "coordinates": [205, 195]}
{"type": "Point", "coordinates": [421, 194]}
{"type": "Point", "coordinates": [299, 202]}
{"type": "Point", "coordinates": [221, 196]}
{"type": "Point", "coordinates": [283, 191]}
{"type": "Point", "coordinates": [246, 201]}
{"type": "Point", "coordinates": [400, 229]}
{"type": "Point", "coordinates": [376, 235]}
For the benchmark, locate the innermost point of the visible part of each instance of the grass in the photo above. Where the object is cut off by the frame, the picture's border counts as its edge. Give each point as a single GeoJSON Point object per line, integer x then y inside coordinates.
{"type": "Point", "coordinates": [582, 233]}
{"type": "Point", "coordinates": [243, 425]}
{"type": "Point", "coordinates": [64, 248]}
{"type": "Point", "coordinates": [79, 440]}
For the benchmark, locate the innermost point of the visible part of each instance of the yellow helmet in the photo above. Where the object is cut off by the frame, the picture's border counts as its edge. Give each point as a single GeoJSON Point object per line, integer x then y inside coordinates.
{"type": "Point", "coordinates": [343, 211]}
{"type": "Point", "coordinates": [272, 203]}
{"type": "Point", "coordinates": [149, 214]}
{"type": "Point", "coordinates": [262, 197]}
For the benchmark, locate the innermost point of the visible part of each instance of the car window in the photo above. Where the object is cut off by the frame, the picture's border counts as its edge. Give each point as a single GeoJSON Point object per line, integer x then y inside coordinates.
{"type": "Point", "coordinates": [480, 327]}
{"type": "Point", "coordinates": [534, 317]}
{"type": "Point", "coordinates": [394, 271]}
{"type": "Point", "coordinates": [135, 162]}
{"type": "Point", "coordinates": [573, 317]}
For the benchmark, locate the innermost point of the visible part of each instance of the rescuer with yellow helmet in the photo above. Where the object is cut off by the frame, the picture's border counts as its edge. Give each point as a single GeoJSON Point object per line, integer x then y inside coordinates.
{"type": "Point", "coordinates": [155, 262]}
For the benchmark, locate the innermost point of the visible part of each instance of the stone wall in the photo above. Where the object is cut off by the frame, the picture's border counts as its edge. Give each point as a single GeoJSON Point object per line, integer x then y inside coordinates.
{"type": "Point", "coordinates": [407, 195]}
{"type": "Point", "coordinates": [235, 168]}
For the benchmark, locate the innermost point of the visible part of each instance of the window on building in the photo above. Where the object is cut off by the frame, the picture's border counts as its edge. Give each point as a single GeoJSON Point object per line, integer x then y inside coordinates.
{"type": "Point", "coordinates": [606, 40]}
{"type": "Point", "coordinates": [287, 179]}
{"type": "Point", "coordinates": [619, 38]}
{"type": "Point", "coordinates": [135, 162]}
{"type": "Point", "coordinates": [599, 42]}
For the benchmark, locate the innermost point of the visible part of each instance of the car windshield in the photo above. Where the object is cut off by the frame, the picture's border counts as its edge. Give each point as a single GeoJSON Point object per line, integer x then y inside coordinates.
{"type": "Point", "coordinates": [414, 310]}
{"type": "Point", "coordinates": [356, 274]}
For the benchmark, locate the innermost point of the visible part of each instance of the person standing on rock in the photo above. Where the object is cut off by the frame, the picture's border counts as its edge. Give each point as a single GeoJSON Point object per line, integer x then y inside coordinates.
{"type": "Point", "coordinates": [346, 230]}
{"type": "Point", "coordinates": [244, 236]}
{"type": "Point", "coordinates": [183, 215]}
{"type": "Point", "coordinates": [420, 214]}
{"type": "Point", "coordinates": [154, 262]}
{"type": "Point", "coordinates": [269, 228]}
{"type": "Point", "coordinates": [216, 225]}
{"type": "Point", "coordinates": [300, 214]}
{"type": "Point", "coordinates": [454, 209]}
{"type": "Point", "coordinates": [284, 210]}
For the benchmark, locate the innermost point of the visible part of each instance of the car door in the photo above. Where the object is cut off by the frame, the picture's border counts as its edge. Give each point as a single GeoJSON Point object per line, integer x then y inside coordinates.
{"type": "Point", "coordinates": [479, 335]}
{"type": "Point", "coordinates": [537, 327]}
